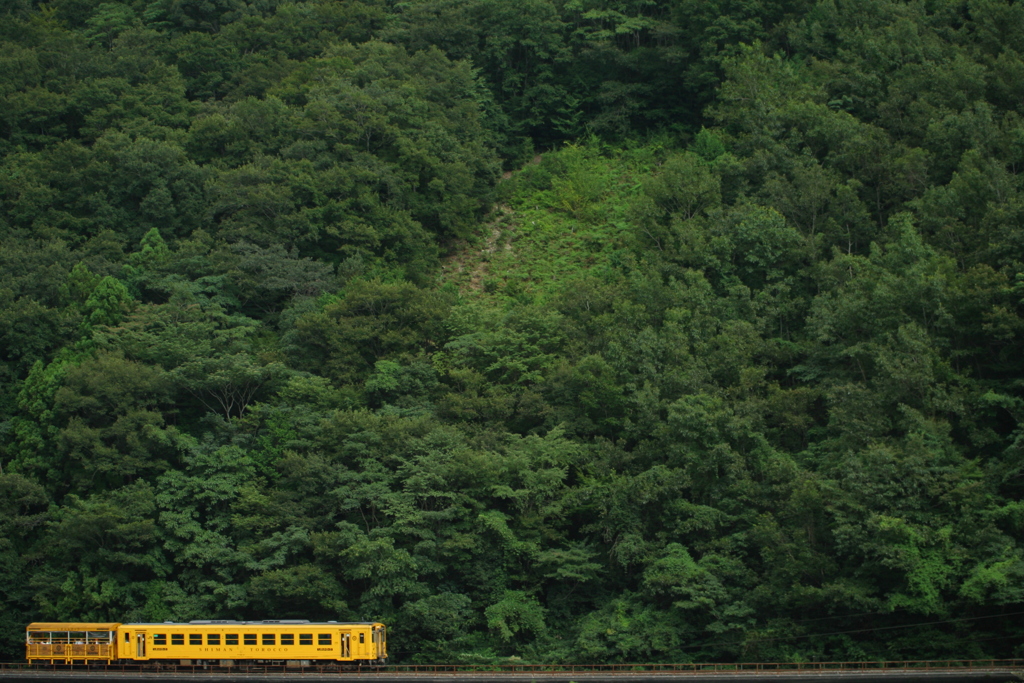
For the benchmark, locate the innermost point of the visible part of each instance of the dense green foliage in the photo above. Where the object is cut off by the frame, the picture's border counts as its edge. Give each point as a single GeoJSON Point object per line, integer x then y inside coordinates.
{"type": "Point", "coordinates": [729, 365]}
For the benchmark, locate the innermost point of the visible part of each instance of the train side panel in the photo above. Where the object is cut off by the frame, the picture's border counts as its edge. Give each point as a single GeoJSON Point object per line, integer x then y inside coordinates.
{"type": "Point", "coordinates": [248, 641]}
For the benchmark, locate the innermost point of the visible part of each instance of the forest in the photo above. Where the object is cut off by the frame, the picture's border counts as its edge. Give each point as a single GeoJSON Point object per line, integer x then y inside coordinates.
{"type": "Point", "coordinates": [539, 330]}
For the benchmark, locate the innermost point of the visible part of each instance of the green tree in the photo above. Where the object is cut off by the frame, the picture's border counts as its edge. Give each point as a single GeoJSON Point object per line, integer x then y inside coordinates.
{"type": "Point", "coordinates": [370, 321]}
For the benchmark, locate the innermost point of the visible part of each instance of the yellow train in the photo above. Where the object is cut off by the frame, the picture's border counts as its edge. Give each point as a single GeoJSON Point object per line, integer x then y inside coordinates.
{"type": "Point", "coordinates": [224, 643]}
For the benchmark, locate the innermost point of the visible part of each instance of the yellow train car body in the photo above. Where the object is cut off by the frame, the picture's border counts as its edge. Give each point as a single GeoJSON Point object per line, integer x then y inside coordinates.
{"type": "Point", "coordinates": [293, 642]}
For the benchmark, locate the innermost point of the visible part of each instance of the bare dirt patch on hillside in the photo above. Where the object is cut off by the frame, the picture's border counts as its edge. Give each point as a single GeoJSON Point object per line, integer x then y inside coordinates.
{"type": "Point", "coordinates": [469, 264]}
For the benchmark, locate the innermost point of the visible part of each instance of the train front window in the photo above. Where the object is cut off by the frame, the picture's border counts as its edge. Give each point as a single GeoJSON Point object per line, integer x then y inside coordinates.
{"type": "Point", "coordinates": [323, 639]}
{"type": "Point", "coordinates": [287, 638]}
{"type": "Point", "coordinates": [213, 639]}
{"type": "Point", "coordinates": [159, 638]}
{"type": "Point", "coordinates": [305, 639]}
{"type": "Point", "coordinates": [195, 639]}
{"type": "Point", "coordinates": [269, 638]}
{"type": "Point", "coordinates": [176, 639]}
{"type": "Point", "coordinates": [231, 639]}
{"type": "Point", "coordinates": [250, 638]}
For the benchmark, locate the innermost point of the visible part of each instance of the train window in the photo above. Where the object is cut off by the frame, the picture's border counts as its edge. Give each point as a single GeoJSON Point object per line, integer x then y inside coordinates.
{"type": "Point", "coordinates": [38, 637]}
{"type": "Point", "coordinates": [323, 639]}
{"type": "Point", "coordinates": [268, 638]}
{"type": "Point", "coordinates": [127, 638]}
{"type": "Point", "coordinates": [362, 638]}
{"type": "Point", "coordinates": [287, 638]}
{"type": "Point", "coordinates": [159, 638]}
{"type": "Point", "coordinates": [231, 639]}
{"type": "Point", "coordinates": [250, 638]}
{"type": "Point", "coordinates": [177, 639]}
{"type": "Point", "coordinates": [213, 639]}
{"type": "Point", "coordinates": [305, 639]}
{"type": "Point", "coordinates": [195, 639]}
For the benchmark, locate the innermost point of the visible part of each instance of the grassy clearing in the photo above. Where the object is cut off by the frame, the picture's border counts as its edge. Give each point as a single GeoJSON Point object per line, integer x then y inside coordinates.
{"type": "Point", "coordinates": [562, 216]}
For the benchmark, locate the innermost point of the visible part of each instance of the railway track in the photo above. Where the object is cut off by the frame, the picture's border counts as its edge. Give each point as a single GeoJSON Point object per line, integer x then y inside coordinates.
{"type": "Point", "coordinates": [946, 671]}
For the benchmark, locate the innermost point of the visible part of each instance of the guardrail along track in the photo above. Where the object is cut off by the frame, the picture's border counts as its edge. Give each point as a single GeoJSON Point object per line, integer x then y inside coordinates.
{"type": "Point", "coordinates": [541, 670]}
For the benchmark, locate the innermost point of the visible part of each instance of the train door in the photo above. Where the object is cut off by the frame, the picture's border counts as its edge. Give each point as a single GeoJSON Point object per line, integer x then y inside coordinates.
{"type": "Point", "coordinates": [379, 651]}
{"type": "Point", "coordinates": [140, 645]}
{"type": "Point", "coordinates": [126, 644]}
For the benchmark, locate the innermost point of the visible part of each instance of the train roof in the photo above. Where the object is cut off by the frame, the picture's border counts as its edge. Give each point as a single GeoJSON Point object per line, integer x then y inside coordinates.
{"type": "Point", "coordinates": [72, 626]}
{"type": "Point", "coordinates": [264, 622]}
{"type": "Point", "coordinates": [111, 626]}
